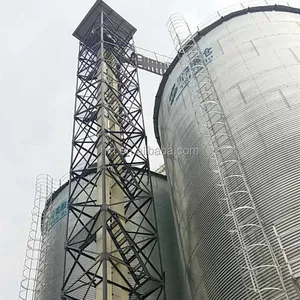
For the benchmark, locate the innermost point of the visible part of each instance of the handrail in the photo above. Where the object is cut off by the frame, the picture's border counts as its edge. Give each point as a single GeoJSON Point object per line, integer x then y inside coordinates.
{"type": "Point", "coordinates": [233, 8]}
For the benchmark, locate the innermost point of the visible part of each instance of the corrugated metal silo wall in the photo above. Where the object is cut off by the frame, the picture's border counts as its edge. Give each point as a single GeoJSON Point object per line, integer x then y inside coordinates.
{"type": "Point", "coordinates": [168, 240]}
{"type": "Point", "coordinates": [256, 71]}
{"type": "Point", "coordinates": [53, 273]}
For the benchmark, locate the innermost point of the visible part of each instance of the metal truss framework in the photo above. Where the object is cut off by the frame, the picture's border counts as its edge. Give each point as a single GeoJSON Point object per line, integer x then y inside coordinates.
{"type": "Point", "coordinates": [112, 249]}
{"type": "Point", "coordinates": [253, 250]}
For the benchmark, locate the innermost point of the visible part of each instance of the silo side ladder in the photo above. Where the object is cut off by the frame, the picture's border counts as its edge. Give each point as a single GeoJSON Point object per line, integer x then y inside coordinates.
{"type": "Point", "coordinates": [287, 231]}
{"type": "Point", "coordinates": [44, 277]}
{"type": "Point", "coordinates": [33, 280]}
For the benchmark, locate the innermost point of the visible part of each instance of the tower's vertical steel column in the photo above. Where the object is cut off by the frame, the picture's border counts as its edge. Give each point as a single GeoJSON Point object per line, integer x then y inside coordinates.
{"type": "Point", "coordinates": [101, 186]}
{"type": "Point", "coordinates": [112, 250]}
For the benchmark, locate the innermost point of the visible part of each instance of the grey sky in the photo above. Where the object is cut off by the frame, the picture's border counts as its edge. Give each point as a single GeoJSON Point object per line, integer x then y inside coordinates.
{"type": "Point", "coordinates": [38, 59]}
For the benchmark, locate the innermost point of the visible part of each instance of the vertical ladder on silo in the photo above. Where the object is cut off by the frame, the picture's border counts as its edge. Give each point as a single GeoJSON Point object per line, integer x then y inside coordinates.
{"type": "Point", "coordinates": [43, 282]}
{"type": "Point", "coordinates": [287, 231]}
{"type": "Point", "coordinates": [33, 281]}
{"type": "Point", "coordinates": [255, 254]}
{"type": "Point", "coordinates": [29, 282]}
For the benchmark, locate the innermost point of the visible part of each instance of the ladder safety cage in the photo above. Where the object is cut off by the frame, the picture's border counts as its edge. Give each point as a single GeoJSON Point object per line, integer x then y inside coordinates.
{"type": "Point", "coordinates": [33, 278]}
{"type": "Point", "coordinates": [45, 275]}
{"type": "Point", "coordinates": [287, 231]}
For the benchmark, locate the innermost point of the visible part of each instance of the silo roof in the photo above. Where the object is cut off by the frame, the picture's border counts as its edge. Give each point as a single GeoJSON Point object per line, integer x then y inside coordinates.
{"type": "Point", "coordinates": [197, 37]}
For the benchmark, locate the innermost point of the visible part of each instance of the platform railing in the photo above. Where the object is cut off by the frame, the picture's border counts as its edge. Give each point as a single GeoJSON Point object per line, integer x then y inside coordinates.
{"type": "Point", "coordinates": [236, 7]}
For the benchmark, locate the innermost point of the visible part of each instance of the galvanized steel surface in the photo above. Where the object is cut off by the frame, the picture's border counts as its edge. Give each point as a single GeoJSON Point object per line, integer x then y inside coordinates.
{"type": "Point", "coordinates": [255, 66]}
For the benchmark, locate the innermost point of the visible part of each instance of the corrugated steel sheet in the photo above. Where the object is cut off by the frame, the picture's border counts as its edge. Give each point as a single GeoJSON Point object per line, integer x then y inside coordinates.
{"type": "Point", "coordinates": [256, 72]}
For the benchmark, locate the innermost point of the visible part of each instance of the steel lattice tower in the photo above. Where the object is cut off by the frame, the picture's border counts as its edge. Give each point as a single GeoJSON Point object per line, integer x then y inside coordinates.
{"type": "Point", "coordinates": [112, 249]}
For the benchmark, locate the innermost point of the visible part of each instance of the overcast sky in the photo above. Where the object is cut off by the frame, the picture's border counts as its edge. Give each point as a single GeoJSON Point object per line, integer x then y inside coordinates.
{"type": "Point", "coordinates": [38, 59]}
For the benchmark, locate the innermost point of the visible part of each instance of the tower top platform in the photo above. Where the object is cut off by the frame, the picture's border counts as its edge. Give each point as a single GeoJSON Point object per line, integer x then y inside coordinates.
{"type": "Point", "coordinates": [113, 22]}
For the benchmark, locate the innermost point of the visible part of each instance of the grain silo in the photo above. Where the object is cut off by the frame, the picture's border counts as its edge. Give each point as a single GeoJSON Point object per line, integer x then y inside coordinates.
{"type": "Point", "coordinates": [229, 109]}
{"type": "Point", "coordinates": [49, 279]}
